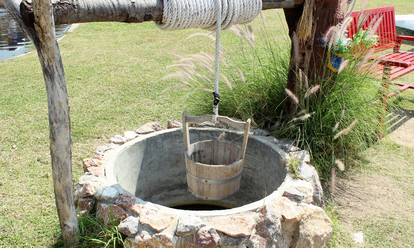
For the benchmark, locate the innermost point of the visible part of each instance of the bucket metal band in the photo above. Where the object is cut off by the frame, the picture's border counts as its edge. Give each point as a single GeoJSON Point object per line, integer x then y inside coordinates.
{"type": "Point", "coordinates": [211, 181]}
{"type": "Point", "coordinates": [217, 198]}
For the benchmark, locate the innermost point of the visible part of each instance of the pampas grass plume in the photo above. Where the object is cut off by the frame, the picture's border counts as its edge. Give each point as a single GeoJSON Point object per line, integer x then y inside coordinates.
{"type": "Point", "coordinates": [346, 130]}
{"type": "Point", "coordinates": [292, 96]}
{"type": "Point", "coordinates": [340, 165]}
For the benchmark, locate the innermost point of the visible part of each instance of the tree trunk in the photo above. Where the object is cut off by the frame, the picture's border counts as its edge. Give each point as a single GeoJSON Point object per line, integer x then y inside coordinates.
{"type": "Point", "coordinates": [308, 57]}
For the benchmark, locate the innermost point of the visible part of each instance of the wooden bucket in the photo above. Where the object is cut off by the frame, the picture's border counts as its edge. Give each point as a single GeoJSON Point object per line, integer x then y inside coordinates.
{"type": "Point", "coordinates": [214, 167]}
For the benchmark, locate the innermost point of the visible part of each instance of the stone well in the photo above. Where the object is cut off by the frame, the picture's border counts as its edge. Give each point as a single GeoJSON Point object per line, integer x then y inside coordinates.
{"type": "Point", "coordinates": [140, 184]}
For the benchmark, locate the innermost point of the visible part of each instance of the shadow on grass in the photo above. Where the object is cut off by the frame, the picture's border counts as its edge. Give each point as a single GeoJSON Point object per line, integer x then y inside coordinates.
{"type": "Point", "coordinates": [403, 31]}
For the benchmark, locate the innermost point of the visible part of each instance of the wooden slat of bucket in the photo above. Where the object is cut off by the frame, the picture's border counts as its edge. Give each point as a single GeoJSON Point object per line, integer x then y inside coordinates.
{"type": "Point", "coordinates": [216, 162]}
{"type": "Point", "coordinates": [214, 190]}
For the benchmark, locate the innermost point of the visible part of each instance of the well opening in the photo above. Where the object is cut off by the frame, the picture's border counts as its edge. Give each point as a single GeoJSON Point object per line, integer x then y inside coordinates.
{"type": "Point", "coordinates": [199, 207]}
{"type": "Point", "coordinates": [152, 167]}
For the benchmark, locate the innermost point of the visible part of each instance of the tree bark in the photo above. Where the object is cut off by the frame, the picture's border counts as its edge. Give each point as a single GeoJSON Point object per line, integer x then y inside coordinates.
{"type": "Point", "coordinates": [130, 11]}
{"type": "Point", "coordinates": [308, 57]}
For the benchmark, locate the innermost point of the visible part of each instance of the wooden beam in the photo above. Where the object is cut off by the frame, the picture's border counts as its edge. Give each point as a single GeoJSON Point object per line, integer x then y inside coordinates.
{"type": "Point", "coordinates": [130, 11]}
{"type": "Point", "coordinates": [59, 120]}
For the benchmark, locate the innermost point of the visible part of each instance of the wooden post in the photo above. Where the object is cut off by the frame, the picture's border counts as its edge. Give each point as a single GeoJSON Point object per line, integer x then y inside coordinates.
{"type": "Point", "coordinates": [386, 80]}
{"type": "Point", "coordinates": [59, 119]}
{"type": "Point", "coordinates": [307, 56]}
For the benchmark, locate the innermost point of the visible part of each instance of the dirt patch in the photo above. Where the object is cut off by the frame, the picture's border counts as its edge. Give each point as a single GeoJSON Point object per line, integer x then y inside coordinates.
{"type": "Point", "coordinates": [378, 199]}
{"type": "Point", "coordinates": [404, 135]}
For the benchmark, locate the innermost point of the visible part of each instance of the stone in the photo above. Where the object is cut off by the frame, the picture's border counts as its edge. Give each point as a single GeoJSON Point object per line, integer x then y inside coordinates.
{"type": "Point", "coordinates": [358, 237]}
{"type": "Point", "coordinates": [102, 149]}
{"type": "Point", "coordinates": [150, 127]}
{"type": "Point", "coordinates": [207, 238]}
{"type": "Point", "coordinates": [272, 139]}
{"type": "Point", "coordinates": [306, 189]}
{"type": "Point", "coordinates": [87, 162]}
{"type": "Point", "coordinates": [231, 242]}
{"type": "Point", "coordinates": [294, 194]}
{"type": "Point", "coordinates": [129, 226]}
{"type": "Point", "coordinates": [188, 225]}
{"type": "Point", "coordinates": [289, 211]}
{"type": "Point", "coordinates": [144, 130]}
{"type": "Point", "coordinates": [174, 124]}
{"type": "Point", "coordinates": [125, 200]}
{"type": "Point", "coordinates": [95, 171]}
{"type": "Point", "coordinates": [130, 243]}
{"type": "Point", "coordinates": [130, 135]}
{"type": "Point", "coordinates": [86, 204]}
{"type": "Point", "coordinates": [256, 241]}
{"type": "Point", "coordinates": [136, 208]}
{"type": "Point", "coordinates": [308, 173]}
{"type": "Point", "coordinates": [289, 146]}
{"type": "Point", "coordinates": [156, 220]}
{"type": "Point", "coordinates": [315, 227]}
{"type": "Point", "coordinates": [87, 189]}
{"type": "Point", "coordinates": [99, 155]}
{"type": "Point", "coordinates": [141, 240]}
{"type": "Point", "coordinates": [118, 139]}
{"type": "Point", "coordinates": [156, 126]}
{"type": "Point", "coordinates": [110, 214]}
{"type": "Point", "coordinates": [145, 240]}
{"type": "Point", "coordinates": [88, 179]}
{"type": "Point", "coordinates": [165, 240]}
{"type": "Point", "coordinates": [106, 194]}
{"type": "Point", "coordinates": [235, 226]}
{"type": "Point", "coordinates": [91, 179]}
{"type": "Point", "coordinates": [128, 202]}
{"type": "Point", "coordinates": [261, 132]}
{"type": "Point", "coordinates": [269, 223]}
{"type": "Point", "coordinates": [301, 155]}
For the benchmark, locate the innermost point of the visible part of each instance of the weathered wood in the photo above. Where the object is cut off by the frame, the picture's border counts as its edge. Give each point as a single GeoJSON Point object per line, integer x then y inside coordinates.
{"type": "Point", "coordinates": [59, 120]}
{"type": "Point", "coordinates": [43, 37]}
{"type": "Point", "coordinates": [213, 160]}
{"type": "Point", "coordinates": [308, 57]}
{"type": "Point", "coordinates": [74, 11]}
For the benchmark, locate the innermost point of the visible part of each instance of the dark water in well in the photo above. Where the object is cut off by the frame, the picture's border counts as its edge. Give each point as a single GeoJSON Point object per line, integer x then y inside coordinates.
{"type": "Point", "coordinates": [200, 207]}
{"type": "Point", "coordinates": [13, 41]}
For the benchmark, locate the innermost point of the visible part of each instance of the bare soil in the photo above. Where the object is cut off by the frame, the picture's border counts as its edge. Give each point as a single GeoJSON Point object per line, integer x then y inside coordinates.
{"type": "Point", "coordinates": [378, 199]}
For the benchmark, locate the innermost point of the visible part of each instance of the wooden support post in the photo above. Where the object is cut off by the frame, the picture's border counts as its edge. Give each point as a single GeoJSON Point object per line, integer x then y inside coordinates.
{"type": "Point", "coordinates": [307, 56]}
{"type": "Point", "coordinates": [386, 80]}
{"type": "Point", "coordinates": [59, 119]}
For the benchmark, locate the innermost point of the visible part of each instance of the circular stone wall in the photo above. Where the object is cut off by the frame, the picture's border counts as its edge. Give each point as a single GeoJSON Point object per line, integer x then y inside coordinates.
{"type": "Point", "coordinates": [152, 168]}
{"type": "Point", "coordinates": [138, 183]}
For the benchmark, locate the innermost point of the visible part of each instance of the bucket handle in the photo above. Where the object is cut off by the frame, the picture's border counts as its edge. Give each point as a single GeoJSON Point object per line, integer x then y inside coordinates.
{"type": "Point", "coordinates": [243, 125]}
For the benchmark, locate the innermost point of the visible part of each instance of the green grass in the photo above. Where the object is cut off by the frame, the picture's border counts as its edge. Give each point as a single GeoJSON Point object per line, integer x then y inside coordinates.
{"type": "Point", "coordinates": [115, 83]}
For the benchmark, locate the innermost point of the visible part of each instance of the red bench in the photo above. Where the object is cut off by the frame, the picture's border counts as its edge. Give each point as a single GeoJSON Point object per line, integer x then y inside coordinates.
{"type": "Point", "coordinates": [395, 63]}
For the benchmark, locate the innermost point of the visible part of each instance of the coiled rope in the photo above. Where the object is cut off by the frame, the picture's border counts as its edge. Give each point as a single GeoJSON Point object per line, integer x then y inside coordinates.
{"type": "Point", "coordinates": [205, 14]}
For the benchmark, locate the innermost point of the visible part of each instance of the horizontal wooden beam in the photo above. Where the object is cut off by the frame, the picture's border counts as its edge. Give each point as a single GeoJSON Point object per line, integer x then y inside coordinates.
{"type": "Point", "coordinates": [130, 11]}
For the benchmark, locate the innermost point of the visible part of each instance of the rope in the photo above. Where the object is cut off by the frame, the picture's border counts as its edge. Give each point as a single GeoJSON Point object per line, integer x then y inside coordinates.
{"type": "Point", "coordinates": [183, 14]}
{"type": "Point", "coordinates": [217, 65]}
{"type": "Point", "coordinates": [205, 14]}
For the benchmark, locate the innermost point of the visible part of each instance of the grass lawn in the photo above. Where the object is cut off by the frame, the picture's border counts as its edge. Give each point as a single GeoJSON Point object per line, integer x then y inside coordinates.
{"type": "Point", "coordinates": [114, 75]}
